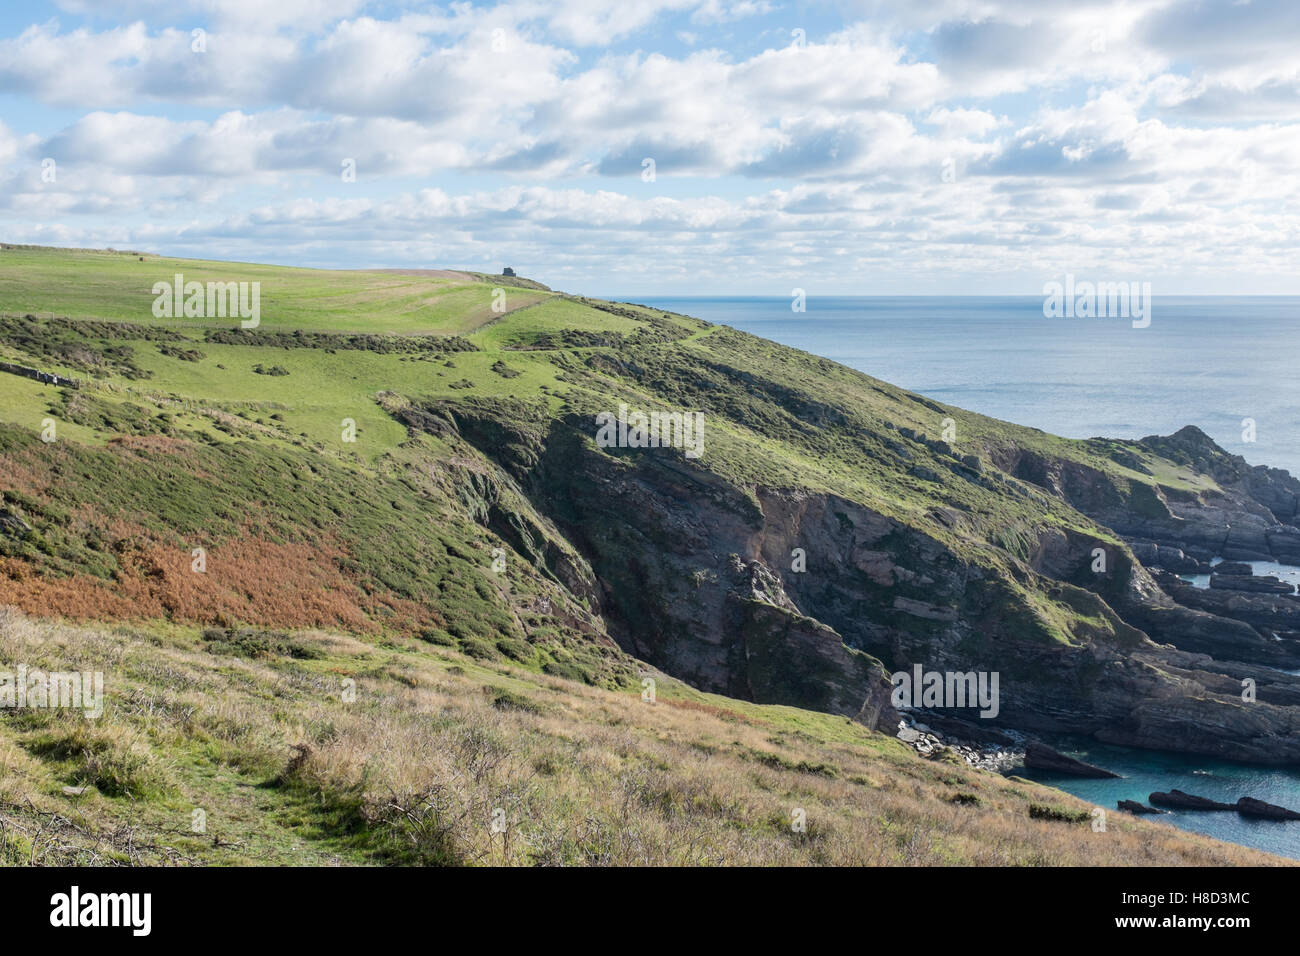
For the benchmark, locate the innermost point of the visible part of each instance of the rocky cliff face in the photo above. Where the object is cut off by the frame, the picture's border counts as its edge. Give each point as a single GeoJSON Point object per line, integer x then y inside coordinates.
{"type": "Point", "coordinates": [787, 595]}
{"type": "Point", "coordinates": [1245, 513]}
{"type": "Point", "coordinates": [1248, 514]}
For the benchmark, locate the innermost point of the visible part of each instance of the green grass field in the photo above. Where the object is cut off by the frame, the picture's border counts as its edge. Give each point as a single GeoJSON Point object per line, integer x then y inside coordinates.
{"type": "Point", "coordinates": [118, 286]}
{"type": "Point", "coordinates": [526, 353]}
{"type": "Point", "coordinates": [323, 390]}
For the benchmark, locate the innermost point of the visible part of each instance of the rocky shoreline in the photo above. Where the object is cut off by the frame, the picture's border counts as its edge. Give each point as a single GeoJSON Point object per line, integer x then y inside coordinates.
{"type": "Point", "coordinates": [1001, 751]}
{"type": "Point", "coordinates": [986, 754]}
{"type": "Point", "coordinates": [1004, 752]}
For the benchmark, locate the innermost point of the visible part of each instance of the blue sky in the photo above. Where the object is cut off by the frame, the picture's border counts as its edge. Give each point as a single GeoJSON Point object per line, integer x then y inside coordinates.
{"type": "Point", "coordinates": [939, 146]}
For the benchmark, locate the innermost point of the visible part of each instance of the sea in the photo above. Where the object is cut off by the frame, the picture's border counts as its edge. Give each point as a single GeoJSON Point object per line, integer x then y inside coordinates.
{"type": "Point", "coordinates": [1210, 361]}
{"type": "Point", "coordinates": [1223, 363]}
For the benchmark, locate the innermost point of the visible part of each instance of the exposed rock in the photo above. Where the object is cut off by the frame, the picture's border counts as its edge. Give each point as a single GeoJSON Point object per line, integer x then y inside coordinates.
{"type": "Point", "coordinates": [1234, 568]}
{"type": "Point", "coordinates": [12, 525]}
{"type": "Point", "coordinates": [1187, 801]}
{"type": "Point", "coordinates": [974, 731]}
{"type": "Point", "coordinates": [1226, 677]}
{"type": "Point", "coordinates": [879, 567]}
{"type": "Point", "coordinates": [1132, 806]}
{"type": "Point", "coordinates": [1202, 631]}
{"type": "Point", "coordinates": [1250, 807]}
{"type": "Point", "coordinates": [691, 576]}
{"type": "Point", "coordinates": [1266, 613]}
{"type": "Point", "coordinates": [922, 609]}
{"type": "Point", "coordinates": [924, 739]}
{"type": "Point", "coordinates": [789, 658]}
{"type": "Point", "coordinates": [1165, 556]}
{"type": "Point", "coordinates": [1266, 584]}
{"type": "Point", "coordinates": [1250, 516]}
{"type": "Point", "coordinates": [1039, 756]}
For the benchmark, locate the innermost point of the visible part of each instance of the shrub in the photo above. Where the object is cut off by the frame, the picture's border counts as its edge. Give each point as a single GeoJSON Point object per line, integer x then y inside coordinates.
{"type": "Point", "coordinates": [1040, 811]}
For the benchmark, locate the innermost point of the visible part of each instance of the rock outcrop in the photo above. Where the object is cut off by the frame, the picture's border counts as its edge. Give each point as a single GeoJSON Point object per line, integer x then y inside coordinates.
{"type": "Point", "coordinates": [1186, 801]}
{"type": "Point", "coordinates": [1250, 807]}
{"type": "Point", "coordinates": [786, 594]}
{"type": "Point", "coordinates": [1132, 806]}
{"type": "Point", "coordinates": [1039, 756]}
{"type": "Point", "coordinates": [1264, 584]}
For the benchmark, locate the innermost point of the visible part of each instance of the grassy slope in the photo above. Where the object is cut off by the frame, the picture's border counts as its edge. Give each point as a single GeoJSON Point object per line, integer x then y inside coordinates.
{"type": "Point", "coordinates": [177, 442]}
{"type": "Point", "coordinates": [255, 732]}
{"type": "Point", "coordinates": [106, 285]}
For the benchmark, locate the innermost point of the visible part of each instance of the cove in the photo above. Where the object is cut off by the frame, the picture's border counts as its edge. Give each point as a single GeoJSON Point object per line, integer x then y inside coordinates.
{"type": "Point", "coordinates": [1145, 771]}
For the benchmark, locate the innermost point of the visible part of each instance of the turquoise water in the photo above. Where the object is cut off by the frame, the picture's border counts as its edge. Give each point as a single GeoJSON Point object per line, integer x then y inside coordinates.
{"type": "Point", "coordinates": [1287, 573]}
{"type": "Point", "coordinates": [1209, 361]}
{"type": "Point", "coordinates": [1205, 360]}
{"type": "Point", "coordinates": [1146, 771]}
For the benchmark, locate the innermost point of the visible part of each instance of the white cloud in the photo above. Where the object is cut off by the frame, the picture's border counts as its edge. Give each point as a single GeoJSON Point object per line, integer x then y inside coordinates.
{"type": "Point", "coordinates": [942, 135]}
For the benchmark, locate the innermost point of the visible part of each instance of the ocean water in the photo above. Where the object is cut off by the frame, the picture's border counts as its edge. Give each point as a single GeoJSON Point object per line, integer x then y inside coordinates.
{"type": "Point", "coordinates": [1144, 772]}
{"type": "Point", "coordinates": [1286, 573]}
{"type": "Point", "coordinates": [1209, 361]}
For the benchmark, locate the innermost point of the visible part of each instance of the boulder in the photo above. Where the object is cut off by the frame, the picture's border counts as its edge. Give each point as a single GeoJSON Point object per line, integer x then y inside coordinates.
{"type": "Point", "coordinates": [1250, 807]}
{"type": "Point", "coordinates": [1187, 801]}
{"type": "Point", "coordinates": [1132, 806]}
{"type": "Point", "coordinates": [1039, 756]}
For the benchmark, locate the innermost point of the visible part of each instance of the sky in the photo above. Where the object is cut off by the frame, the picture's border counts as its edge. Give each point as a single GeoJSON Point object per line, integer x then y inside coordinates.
{"type": "Point", "coordinates": [670, 147]}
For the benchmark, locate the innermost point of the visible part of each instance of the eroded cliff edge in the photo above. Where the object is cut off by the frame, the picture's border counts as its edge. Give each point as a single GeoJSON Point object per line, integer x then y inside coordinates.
{"type": "Point", "coordinates": [976, 554]}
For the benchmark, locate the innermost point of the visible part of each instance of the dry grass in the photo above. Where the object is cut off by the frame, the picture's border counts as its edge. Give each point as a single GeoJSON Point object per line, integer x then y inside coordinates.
{"type": "Point", "coordinates": [442, 760]}
{"type": "Point", "coordinates": [249, 578]}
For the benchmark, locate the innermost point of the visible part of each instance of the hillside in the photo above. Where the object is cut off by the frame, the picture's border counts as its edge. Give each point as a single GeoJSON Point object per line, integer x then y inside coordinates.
{"type": "Point", "coordinates": [252, 730]}
{"type": "Point", "coordinates": [392, 482]}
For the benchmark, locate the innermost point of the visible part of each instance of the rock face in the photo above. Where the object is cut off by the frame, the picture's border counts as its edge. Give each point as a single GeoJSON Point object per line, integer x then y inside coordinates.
{"type": "Point", "coordinates": [789, 658]}
{"type": "Point", "coordinates": [682, 580]}
{"type": "Point", "coordinates": [1263, 611]}
{"type": "Point", "coordinates": [1251, 515]}
{"type": "Point", "coordinates": [1132, 806]}
{"type": "Point", "coordinates": [1252, 518]}
{"type": "Point", "coordinates": [1266, 584]}
{"type": "Point", "coordinates": [1187, 801]}
{"type": "Point", "coordinates": [1039, 756]}
{"type": "Point", "coordinates": [1168, 557]}
{"type": "Point", "coordinates": [975, 731]}
{"type": "Point", "coordinates": [693, 573]}
{"type": "Point", "coordinates": [1250, 807]}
